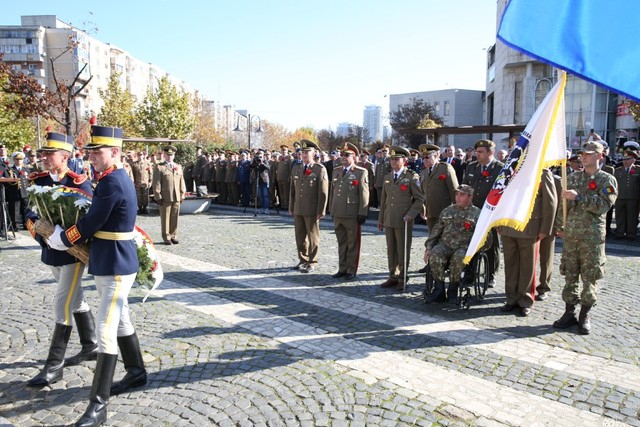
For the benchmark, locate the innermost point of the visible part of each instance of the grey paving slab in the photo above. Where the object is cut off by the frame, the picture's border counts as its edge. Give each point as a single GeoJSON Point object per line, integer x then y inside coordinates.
{"type": "Point", "coordinates": [235, 338]}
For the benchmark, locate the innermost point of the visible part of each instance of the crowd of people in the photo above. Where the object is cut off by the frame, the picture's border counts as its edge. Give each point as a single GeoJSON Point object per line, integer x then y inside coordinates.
{"type": "Point", "coordinates": [447, 189]}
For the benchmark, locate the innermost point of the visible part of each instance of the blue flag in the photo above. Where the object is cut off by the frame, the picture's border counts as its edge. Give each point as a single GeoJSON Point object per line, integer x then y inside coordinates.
{"type": "Point", "coordinates": [592, 39]}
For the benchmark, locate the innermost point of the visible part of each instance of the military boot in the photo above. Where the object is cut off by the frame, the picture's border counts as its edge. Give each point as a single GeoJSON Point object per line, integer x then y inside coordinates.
{"type": "Point", "coordinates": [584, 323]}
{"type": "Point", "coordinates": [568, 318]}
{"type": "Point", "coordinates": [438, 295]}
{"type": "Point", "coordinates": [96, 412]}
{"type": "Point", "coordinates": [53, 367]}
{"type": "Point", "coordinates": [136, 375]}
{"type": "Point", "coordinates": [87, 332]}
{"type": "Point", "coordinates": [452, 292]}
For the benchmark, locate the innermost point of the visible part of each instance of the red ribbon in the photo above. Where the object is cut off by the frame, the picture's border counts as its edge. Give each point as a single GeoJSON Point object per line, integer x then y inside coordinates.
{"type": "Point", "coordinates": [592, 185]}
{"type": "Point", "coordinates": [355, 182]}
{"type": "Point", "coordinates": [403, 187]}
{"type": "Point", "coordinates": [442, 177]}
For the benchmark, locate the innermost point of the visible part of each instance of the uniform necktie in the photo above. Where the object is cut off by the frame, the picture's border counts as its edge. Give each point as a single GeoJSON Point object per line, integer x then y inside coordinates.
{"type": "Point", "coordinates": [484, 169]}
{"type": "Point", "coordinates": [430, 170]}
{"type": "Point", "coordinates": [395, 177]}
{"type": "Point", "coordinates": [345, 171]}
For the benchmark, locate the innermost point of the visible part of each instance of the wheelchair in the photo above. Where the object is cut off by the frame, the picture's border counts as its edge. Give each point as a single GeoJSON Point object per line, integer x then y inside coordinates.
{"type": "Point", "coordinates": [474, 276]}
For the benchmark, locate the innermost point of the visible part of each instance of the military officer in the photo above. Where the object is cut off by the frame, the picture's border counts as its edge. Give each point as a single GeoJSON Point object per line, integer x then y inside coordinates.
{"type": "Point", "coordinates": [547, 249]}
{"type": "Point", "coordinates": [113, 261]}
{"type": "Point", "coordinates": [307, 204]}
{"type": "Point", "coordinates": [520, 248]}
{"type": "Point", "coordinates": [590, 193]}
{"type": "Point", "coordinates": [481, 174]}
{"type": "Point", "coordinates": [233, 194]}
{"type": "Point", "coordinates": [626, 206]}
{"type": "Point", "coordinates": [283, 176]}
{"type": "Point", "coordinates": [201, 161]}
{"type": "Point", "coordinates": [349, 206]}
{"type": "Point", "coordinates": [16, 193]}
{"type": "Point", "coordinates": [439, 183]}
{"type": "Point", "coordinates": [381, 169]}
{"type": "Point", "coordinates": [221, 171]}
{"type": "Point", "coordinates": [141, 179]}
{"type": "Point", "coordinates": [401, 201]}
{"type": "Point", "coordinates": [447, 244]}
{"type": "Point", "coordinates": [69, 301]}
{"type": "Point", "coordinates": [169, 190]}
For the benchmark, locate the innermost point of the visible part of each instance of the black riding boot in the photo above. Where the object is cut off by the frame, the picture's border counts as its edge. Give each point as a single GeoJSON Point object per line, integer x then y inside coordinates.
{"type": "Point", "coordinates": [53, 367]}
{"type": "Point", "coordinates": [136, 375]}
{"type": "Point", "coordinates": [584, 323]}
{"type": "Point", "coordinates": [87, 331]}
{"type": "Point", "coordinates": [568, 318]}
{"type": "Point", "coordinates": [452, 292]}
{"type": "Point", "coordinates": [438, 294]}
{"type": "Point", "coordinates": [96, 412]}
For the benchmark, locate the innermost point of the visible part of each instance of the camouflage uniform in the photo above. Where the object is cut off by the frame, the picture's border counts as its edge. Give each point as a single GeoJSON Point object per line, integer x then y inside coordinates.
{"type": "Point", "coordinates": [141, 170]}
{"type": "Point", "coordinates": [449, 240]}
{"type": "Point", "coordinates": [584, 234]}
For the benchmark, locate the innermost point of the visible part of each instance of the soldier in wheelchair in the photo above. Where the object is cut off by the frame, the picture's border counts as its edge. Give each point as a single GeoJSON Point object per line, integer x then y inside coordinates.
{"type": "Point", "coordinates": [446, 248]}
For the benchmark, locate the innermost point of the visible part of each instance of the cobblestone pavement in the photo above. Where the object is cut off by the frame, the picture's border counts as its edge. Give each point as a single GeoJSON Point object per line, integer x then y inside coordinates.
{"type": "Point", "coordinates": [233, 337]}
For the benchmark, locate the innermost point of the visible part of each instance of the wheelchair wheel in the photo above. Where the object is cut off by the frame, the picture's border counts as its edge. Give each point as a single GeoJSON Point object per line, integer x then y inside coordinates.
{"type": "Point", "coordinates": [481, 277]}
{"type": "Point", "coordinates": [429, 283]}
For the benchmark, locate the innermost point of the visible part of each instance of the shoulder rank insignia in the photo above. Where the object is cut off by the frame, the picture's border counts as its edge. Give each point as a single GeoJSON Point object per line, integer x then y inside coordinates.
{"type": "Point", "coordinates": [77, 179]}
{"type": "Point", "coordinates": [34, 175]}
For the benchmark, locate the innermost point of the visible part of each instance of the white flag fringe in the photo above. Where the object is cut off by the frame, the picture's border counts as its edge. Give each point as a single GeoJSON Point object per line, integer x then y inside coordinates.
{"type": "Point", "coordinates": [541, 145]}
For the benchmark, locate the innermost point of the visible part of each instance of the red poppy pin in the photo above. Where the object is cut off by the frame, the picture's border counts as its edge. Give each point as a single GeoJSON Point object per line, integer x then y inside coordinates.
{"type": "Point", "coordinates": [632, 171]}
{"type": "Point", "coordinates": [404, 187]}
{"type": "Point", "coordinates": [485, 173]}
{"type": "Point", "coordinates": [355, 182]}
{"type": "Point", "coordinates": [467, 225]}
{"type": "Point", "coordinates": [592, 185]}
{"type": "Point", "coordinates": [307, 172]}
{"type": "Point", "coordinates": [442, 177]}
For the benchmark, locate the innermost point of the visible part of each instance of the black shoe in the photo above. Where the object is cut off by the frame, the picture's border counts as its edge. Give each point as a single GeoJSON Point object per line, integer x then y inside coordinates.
{"type": "Point", "coordinates": [168, 242]}
{"type": "Point", "coordinates": [349, 276]}
{"type": "Point", "coordinates": [423, 270]}
{"type": "Point", "coordinates": [568, 317]}
{"type": "Point", "coordinates": [339, 274]}
{"type": "Point", "coordinates": [297, 266]}
{"type": "Point", "coordinates": [491, 283]}
{"type": "Point", "coordinates": [174, 241]}
{"type": "Point", "coordinates": [96, 412]}
{"type": "Point", "coordinates": [508, 307]}
{"type": "Point", "coordinates": [525, 311]}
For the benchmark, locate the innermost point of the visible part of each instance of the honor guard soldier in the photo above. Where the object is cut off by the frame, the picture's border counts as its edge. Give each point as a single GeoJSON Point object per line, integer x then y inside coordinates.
{"type": "Point", "coordinates": [481, 174]}
{"type": "Point", "coordinates": [439, 182]}
{"type": "Point", "coordinates": [69, 303]}
{"type": "Point", "coordinates": [589, 194]}
{"type": "Point", "coordinates": [307, 204]}
{"type": "Point", "coordinates": [201, 162]}
{"type": "Point", "coordinates": [113, 261]}
{"type": "Point", "coordinates": [349, 207]}
{"type": "Point", "coordinates": [169, 190]}
{"type": "Point", "coordinates": [401, 201]}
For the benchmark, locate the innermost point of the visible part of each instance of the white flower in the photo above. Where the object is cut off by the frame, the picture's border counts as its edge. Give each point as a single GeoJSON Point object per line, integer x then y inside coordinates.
{"type": "Point", "coordinates": [82, 204]}
{"type": "Point", "coordinates": [55, 195]}
{"type": "Point", "coordinates": [42, 189]}
{"type": "Point", "coordinates": [32, 188]}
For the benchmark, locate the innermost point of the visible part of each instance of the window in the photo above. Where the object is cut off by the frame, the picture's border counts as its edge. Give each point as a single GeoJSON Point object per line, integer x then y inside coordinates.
{"type": "Point", "coordinates": [436, 107]}
{"type": "Point", "coordinates": [447, 108]}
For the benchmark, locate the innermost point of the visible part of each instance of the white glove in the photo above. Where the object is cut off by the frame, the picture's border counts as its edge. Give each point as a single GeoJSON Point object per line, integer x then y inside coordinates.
{"type": "Point", "coordinates": [55, 240]}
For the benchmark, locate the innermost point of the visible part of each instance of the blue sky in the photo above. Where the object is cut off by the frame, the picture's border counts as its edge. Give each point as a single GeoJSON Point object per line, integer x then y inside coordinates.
{"type": "Point", "coordinates": [297, 63]}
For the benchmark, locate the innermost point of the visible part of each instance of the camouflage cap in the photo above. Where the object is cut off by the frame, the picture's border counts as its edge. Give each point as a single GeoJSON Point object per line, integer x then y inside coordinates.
{"type": "Point", "coordinates": [592, 147]}
{"type": "Point", "coordinates": [466, 189]}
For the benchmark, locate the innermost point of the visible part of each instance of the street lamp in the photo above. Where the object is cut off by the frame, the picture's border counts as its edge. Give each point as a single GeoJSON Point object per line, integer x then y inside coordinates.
{"type": "Point", "coordinates": [249, 127]}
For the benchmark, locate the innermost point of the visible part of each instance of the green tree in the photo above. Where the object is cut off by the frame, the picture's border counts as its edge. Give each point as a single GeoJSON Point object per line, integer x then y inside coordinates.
{"type": "Point", "coordinates": [15, 131]}
{"type": "Point", "coordinates": [165, 113]}
{"type": "Point", "coordinates": [416, 115]}
{"type": "Point", "coordinates": [119, 107]}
